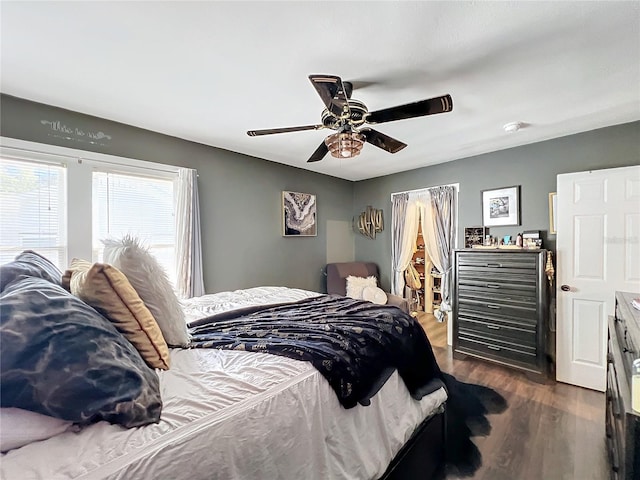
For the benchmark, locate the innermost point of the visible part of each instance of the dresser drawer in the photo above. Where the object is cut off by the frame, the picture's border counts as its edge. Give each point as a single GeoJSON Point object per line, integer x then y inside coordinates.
{"type": "Point", "coordinates": [496, 260]}
{"type": "Point", "coordinates": [613, 396]}
{"type": "Point", "coordinates": [614, 457]}
{"type": "Point", "coordinates": [496, 267]}
{"type": "Point", "coordinates": [497, 318]}
{"type": "Point", "coordinates": [497, 295]}
{"type": "Point", "coordinates": [499, 330]}
{"type": "Point", "coordinates": [626, 346]}
{"type": "Point", "coordinates": [613, 424]}
{"type": "Point", "coordinates": [497, 349]}
{"type": "Point", "coordinates": [496, 305]}
{"type": "Point", "coordinates": [523, 285]}
{"type": "Point", "coordinates": [495, 274]}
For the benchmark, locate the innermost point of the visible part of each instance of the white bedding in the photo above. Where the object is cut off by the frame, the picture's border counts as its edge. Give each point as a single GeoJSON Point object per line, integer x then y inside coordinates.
{"type": "Point", "coordinates": [211, 304]}
{"type": "Point", "coordinates": [233, 415]}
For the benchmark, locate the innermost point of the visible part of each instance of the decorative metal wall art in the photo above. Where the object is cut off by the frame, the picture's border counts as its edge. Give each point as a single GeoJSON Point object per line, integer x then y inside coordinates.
{"type": "Point", "coordinates": [369, 222]}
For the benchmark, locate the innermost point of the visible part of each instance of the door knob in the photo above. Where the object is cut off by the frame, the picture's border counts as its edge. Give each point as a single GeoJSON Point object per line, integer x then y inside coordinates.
{"type": "Point", "coordinates": [565, 288]}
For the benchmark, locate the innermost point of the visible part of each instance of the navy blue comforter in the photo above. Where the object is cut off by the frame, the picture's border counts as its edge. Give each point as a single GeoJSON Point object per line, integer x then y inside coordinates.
{"type": "Point", "coordinates": [356, 345]}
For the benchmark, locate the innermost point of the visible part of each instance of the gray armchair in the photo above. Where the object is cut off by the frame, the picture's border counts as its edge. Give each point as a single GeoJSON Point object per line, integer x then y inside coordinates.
{"type": "Point", "coordinates": [337, 274]}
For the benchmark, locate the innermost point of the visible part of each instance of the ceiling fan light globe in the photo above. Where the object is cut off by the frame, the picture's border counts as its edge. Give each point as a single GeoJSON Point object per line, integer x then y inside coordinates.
{"type": "Point", "coordinates": [345, 144]}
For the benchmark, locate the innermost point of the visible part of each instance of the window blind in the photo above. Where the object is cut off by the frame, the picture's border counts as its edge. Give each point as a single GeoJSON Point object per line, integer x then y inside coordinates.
{"type": "Point", "coordinates": [33, 210]}
{"type": "Point", "coordinates": [136, 205]}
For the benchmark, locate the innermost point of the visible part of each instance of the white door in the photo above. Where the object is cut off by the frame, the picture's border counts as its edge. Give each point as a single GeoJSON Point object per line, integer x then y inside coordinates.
{"type": "Point", "coordinates": [598, 253]}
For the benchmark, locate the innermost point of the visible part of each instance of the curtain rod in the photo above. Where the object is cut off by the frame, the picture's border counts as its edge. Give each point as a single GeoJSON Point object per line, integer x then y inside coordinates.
{"type": "Point", "coordinates": [80, 158]}
{"type": "Point", "coordinates": [141, 167]}
{"type": "Point", "coordinates": [424, 189]}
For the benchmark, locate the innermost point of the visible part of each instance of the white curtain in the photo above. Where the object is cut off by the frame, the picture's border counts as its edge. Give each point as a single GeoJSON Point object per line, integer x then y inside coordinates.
{"type": "Point", "coordinates": [428, 228]}
{"type": "Point", "coordinates": [405, 246]}
{"type": "Point", "coordinates": [189, 282]}
{"type": "Point", "coordinates": [443, 223]}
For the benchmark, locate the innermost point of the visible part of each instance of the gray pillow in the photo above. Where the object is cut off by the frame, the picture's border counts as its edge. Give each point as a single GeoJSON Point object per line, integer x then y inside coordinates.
{"type": "Point", "coordinates": [59, 357]}
{"type": "Point", "coordinates": [31, 264]}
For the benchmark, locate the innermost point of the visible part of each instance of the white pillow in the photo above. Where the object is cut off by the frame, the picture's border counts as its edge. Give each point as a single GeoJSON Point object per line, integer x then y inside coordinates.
{"type": "Point", "coordinates": [20, 427]}
{"type": "Point", "coordinates": [150, 280]}
{"type": "Point", "coordinates": [355, 285]}
{"type": "Point", "coordinates": [374, 295]}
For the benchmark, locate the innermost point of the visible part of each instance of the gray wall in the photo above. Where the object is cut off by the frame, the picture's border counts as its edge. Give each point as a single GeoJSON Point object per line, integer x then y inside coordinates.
{"type": "Point", "coordinates": [534, 167]}
{"type": "Point", "coordinates": [240, 195]}
{"type": "Point", "coordinates": [240, 198]}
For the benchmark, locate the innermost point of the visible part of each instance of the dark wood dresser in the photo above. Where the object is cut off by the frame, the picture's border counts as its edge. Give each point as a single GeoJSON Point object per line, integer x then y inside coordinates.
{"type": "Point", "coordinates": [500, 308]}
{"type": "Point", "coordinates": [622, 423]}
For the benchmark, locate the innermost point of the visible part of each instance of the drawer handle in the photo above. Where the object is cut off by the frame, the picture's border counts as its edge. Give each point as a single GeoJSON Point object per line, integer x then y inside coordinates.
{"type": "Point", "coordinates": [493, 327]}
{"type": "Point", "coordinates": [493, 285]}
{"type": "Point", "coordinates": [495, 307]}
{"type": "Point", "coordinates": [615, 408]}
{"type": "Point", "coordinates": [496, 265]}
{"type": "Point", "coordinates": [491, 347]}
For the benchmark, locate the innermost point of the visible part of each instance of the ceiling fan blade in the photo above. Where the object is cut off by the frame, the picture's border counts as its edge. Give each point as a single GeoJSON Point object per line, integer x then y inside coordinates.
{"type": "Point", "coordinates": [382, 141]}
{"type": "Point", "coordinates": [431, 106]}
{"type": "Point", "coordinates": [332, 92]}
{"type": "Point", "coordinates": [348, 88]}
{"type": "Point", "coordinates": [319, 154]}
{"type": "Point", "coordinates": [271, 131]}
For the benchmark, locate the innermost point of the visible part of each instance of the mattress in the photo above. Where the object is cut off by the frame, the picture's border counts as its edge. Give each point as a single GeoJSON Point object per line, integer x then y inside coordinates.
{"type": "Point", "coordinates": [211, 304]}
{"type": "Point", "coordinates": [231, 415]}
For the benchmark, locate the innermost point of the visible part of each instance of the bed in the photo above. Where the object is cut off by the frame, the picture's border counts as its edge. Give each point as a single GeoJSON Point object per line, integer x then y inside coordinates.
{"type": "Point", "coordinates": [234, 414]}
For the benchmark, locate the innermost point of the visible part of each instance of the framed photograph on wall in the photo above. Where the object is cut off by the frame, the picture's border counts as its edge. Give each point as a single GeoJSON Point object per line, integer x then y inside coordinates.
{"type": "Point", "coordinates": [501, 206]}
{"type": "Point", "coordinates": [553, 205]}
{"type": "Point", "coordinates": [298, 214]}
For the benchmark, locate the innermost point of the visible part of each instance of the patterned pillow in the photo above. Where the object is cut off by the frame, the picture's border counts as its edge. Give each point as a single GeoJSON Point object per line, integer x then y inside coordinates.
{"type": "Point", "coordinates": [59, 357]}
{"type": "Point", "coordinates": [150, 281]}
{"type": "Point", "coordinates": [355, 285]}
{"type": "Point", "coordinates": [31, 264]}
{"type": "Point", "coordinates": [106, 289]}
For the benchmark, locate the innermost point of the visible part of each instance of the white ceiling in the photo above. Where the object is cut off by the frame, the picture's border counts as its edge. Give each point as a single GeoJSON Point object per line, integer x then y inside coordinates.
{"type": "Point", "coordinates": [210, 71]}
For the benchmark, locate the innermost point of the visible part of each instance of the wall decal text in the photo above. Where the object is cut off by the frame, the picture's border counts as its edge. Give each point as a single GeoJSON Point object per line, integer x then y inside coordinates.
{"type": "Point", "coordinates": [75, 134]}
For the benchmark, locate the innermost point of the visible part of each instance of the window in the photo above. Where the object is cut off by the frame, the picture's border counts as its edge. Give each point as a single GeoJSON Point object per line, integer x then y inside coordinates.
{"type": "Point", "coordinates": [136, 205]}
{"type": "Point", "coordinates": [33, 214]}
{"type": "Point", "coordinates": [62, 202]}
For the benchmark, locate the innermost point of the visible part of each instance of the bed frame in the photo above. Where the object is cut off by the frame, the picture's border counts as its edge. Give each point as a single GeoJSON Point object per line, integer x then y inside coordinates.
{"type": "Point", "coordinates": [423, 456]}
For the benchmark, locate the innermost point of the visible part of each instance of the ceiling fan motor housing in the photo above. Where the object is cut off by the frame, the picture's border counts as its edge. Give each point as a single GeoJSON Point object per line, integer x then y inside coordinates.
{"type": "Point", "coordinates": [357, 114]}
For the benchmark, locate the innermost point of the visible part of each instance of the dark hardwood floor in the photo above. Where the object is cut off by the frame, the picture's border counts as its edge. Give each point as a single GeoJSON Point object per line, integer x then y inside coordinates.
{"type": "Point", "coordinates": [551, 431]}
{"type": "Point", "coordinates": [436, 331]}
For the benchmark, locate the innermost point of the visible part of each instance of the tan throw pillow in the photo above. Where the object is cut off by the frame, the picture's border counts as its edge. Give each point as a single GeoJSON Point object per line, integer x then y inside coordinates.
{"type": "Point", "coordinates": [355, 285]}
{"type": "Point", "coordinates": [108, 290]}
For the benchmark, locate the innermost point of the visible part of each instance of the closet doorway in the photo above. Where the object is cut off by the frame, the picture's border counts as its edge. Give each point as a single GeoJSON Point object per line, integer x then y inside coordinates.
{"type": "Point", "coordinates": [426, 294]}
{"type": "Point", "coordinates": [424, 231]}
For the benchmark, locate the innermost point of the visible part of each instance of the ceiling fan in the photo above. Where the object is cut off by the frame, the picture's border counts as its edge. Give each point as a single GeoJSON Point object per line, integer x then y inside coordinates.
{"type": "Point", "coordinates": [348, 116]}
